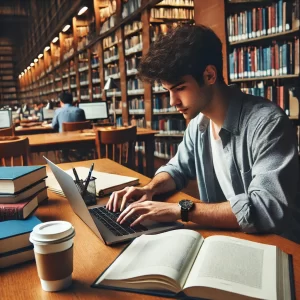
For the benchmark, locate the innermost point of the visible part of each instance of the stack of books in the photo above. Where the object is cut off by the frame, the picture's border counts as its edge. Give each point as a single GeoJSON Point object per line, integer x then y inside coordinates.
{"type": "Point", "coordinates": [15, 246]}
{"type": "Point", "coordinates": [21, 191]}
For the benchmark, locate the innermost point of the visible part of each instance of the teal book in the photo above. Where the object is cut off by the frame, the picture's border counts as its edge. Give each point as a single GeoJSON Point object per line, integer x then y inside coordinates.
{"type": "Point", "coordinates": [14, 234]}
{"type": "Point", "coordinates": [16, 179]}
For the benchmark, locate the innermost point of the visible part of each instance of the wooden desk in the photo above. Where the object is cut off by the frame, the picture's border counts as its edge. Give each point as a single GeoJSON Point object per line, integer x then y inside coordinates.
{"type": "Point", "coordinates": [33, 130]}
{"type": "Point", "coordinates": [76, 139]}
{"type": "Point", "coordinates": [91, 256]}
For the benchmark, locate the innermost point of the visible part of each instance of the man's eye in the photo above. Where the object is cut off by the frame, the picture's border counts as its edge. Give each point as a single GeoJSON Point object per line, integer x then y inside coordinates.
{"type": "Point", "coordinates": [180, 88]}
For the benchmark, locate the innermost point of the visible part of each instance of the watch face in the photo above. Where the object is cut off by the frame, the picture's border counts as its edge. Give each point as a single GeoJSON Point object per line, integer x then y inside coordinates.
{"type": "Point", "coordinates": [186, 204]}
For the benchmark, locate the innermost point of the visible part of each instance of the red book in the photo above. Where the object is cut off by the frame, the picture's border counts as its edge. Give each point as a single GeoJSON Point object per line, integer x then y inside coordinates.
{"type": "Point", "coordinates": [18, 211]}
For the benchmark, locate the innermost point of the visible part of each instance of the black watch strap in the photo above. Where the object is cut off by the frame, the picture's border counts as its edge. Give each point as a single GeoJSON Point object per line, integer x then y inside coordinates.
{"type": "Point", "coordinates": [184, 215]}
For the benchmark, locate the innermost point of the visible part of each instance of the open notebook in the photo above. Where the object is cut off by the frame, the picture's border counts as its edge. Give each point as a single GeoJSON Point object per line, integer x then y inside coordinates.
{"type": "Point", "coordinates": [106, 183]}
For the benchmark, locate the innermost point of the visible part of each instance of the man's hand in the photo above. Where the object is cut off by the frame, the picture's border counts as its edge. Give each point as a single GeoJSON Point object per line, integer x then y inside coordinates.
{"type": "Point", "coordinates": [120, 198]}
{"type": "Point", "coordinates": [151, 210]}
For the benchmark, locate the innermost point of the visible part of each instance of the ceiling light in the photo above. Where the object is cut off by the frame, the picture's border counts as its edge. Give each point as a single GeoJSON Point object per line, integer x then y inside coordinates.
{"type": "Point", "coordinates": [55, 40]}
{"type": "Point", "coordinates": [35, 60]}
{"type": "Point", "coordinates": [47, 48]}
{"type": "Point", "coordinates": [82, 10]}
{"type": "Point", "coordinates": [25, 70]}
{"type": "Point", "coordinates": [28, 68]}
{"type": "Point", "coordinates": [20, 76]}
{"type": "Point", "coordinates": [40, 55]}
{"type": "Point", "coordinates": [66, 28]}
{"type": "Point", "coordinates": [32, 64]}
{"type": "Point", "coordinates": [22, 73]}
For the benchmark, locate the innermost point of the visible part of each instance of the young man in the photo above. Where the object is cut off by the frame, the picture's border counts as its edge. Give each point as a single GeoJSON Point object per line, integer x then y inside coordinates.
{"type": "Point", "coordinates": [67, 112]}
{"type": "Point", "coordinates": [241, 149]}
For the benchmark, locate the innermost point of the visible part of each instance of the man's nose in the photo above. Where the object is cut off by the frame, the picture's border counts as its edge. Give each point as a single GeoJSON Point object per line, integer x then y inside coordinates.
{"type": "Point", "coordinates": [174, 100]}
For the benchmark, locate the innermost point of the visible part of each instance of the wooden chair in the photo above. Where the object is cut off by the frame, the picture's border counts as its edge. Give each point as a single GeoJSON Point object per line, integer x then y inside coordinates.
{"type": "Point", "coordinates": [73, 126]}
{"type": "Point", "coordinates": [14, 151]}
{"type": "Point", "coordinates": [117, 144]}
{"type": "Point", "coordinates": [10, 131]}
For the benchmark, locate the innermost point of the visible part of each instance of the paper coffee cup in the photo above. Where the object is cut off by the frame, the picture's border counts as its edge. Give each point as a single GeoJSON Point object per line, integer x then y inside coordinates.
{"type": "Point", "coordinates": [53, 250]}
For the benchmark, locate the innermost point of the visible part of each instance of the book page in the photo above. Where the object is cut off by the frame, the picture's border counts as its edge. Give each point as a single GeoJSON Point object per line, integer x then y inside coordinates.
{"type": "Point", "coordinates": [236, 265]}
{"type": "Point", "coordinates": [168, 254]}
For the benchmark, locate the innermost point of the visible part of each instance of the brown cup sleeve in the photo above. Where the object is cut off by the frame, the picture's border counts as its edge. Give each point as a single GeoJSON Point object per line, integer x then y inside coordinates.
{"type": "Point", "coordinates": [55, 266]}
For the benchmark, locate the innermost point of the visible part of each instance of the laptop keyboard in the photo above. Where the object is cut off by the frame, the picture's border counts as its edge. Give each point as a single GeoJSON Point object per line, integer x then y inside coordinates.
{"type": "Point", "coordinates": [109, 218]}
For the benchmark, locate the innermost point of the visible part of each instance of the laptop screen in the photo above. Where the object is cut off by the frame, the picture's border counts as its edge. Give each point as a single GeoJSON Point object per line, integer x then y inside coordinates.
{"type": "Point", "coordinates": [95, 110]}
{"type": "Point", "coordinates": [5, 118]}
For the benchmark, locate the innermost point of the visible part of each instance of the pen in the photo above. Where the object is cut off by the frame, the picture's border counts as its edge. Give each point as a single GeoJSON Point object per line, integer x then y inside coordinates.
{"type": "Point", "coordinates": [77, 180]}
{"type": "Point", "coordinates": [76, 175]}
{"type": "Point", "coordinates": [88, 179]}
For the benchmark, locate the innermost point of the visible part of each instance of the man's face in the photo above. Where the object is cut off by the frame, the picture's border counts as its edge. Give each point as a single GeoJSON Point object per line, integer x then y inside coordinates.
{"type": "Point", "coordinates": [188, 97]}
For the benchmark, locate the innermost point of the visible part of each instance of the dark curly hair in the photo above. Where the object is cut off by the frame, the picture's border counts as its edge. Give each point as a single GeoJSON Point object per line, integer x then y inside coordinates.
{"type": "Point", "coordinates": [185, 50]}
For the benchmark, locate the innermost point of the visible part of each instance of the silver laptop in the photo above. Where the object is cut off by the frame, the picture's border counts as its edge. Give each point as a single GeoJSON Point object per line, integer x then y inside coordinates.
{"type": "Point", "coordinates": [102, 221]}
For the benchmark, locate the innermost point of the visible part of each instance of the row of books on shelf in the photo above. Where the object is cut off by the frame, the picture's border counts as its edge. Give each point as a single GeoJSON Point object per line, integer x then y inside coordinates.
{"type": "Point", "coordinates": [110, 41]}
{"type": "Point", "coordinates": [166, 149]}
{"type": "Point", "coordinates": [134, 84]}
{"type": "Point", "coordinates": [170, 125]}
{"type": "Point", "coordinates": [281, 95]}
{"type": "Point", "coordinates": [162, 104]}
{"type": "Point", "coordinates": [133, 27]}
{"type": "Point", "coordinates": [278, 17]}
{"type": "Point", "coordinates": [140, 122]}
{"type": "Point", "coordinates": [133, 41]}
{"type": "Point", "coordinates": [132, 63]}
{"type": "Point", "coordinates": [172, 13]}
{"type": "Point", "coordinates": [136, 104]}
{"type": "Point", "coordinates": [276, 59]}
{"type": "Point", "coordinates": [129, 7]}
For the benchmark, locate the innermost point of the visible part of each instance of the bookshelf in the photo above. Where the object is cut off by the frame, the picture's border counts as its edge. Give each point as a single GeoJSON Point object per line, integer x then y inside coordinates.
{"type": "Point", "coordinates": [108, 40]}
{"type": "Point", "coordinates": [8, 85]}
{"type": "Point", "coordinates": [263, 50]}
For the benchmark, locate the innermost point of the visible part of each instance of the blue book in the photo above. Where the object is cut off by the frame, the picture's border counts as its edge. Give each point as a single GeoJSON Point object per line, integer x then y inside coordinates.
{"type": "Point", "coordinates": [14, 234]}
{"type": "Point", "coordinates": [16, 179]}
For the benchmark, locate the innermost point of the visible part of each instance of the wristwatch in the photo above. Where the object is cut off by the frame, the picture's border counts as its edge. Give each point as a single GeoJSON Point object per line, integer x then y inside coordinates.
{"type": "Point", "coordinates": [186, 206]}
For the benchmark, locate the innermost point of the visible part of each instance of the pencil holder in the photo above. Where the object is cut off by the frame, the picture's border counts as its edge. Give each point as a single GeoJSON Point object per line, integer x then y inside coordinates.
{"type": "Point", "coordinates": [89, 196]}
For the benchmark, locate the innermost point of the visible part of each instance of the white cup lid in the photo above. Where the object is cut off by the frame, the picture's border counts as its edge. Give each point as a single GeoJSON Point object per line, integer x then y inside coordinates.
{"type": "Point", "coordinates": [52, 232]}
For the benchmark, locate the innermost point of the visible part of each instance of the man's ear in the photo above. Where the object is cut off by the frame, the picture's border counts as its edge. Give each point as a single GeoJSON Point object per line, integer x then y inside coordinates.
{"type": "Point", "coordinates": [210, 75]}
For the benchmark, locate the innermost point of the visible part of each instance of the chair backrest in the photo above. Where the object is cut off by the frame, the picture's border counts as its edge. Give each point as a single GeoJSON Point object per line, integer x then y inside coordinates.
{"type": "Point", "coordinates": [73, 126]}
{"type": "Point", "coordinates": [14, 151]}
{"type": "Point", "coordinates": [10, 131]}
{"type": "Point", "coordinates": [117, 144]}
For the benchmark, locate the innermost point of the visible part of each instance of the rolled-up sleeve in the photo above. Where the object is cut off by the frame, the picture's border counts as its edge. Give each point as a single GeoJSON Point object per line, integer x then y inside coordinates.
{"type": "Point", "coordinates": [182, 166]}
{"type": "Point", "coordinates": [272, 179]}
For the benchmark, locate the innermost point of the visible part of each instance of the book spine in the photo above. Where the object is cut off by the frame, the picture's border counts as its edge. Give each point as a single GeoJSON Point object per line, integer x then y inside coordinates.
{"type": "Point", "coordinates": [10, 213]}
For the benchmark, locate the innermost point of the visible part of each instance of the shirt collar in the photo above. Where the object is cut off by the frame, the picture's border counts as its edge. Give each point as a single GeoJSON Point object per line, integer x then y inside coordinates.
{"type": "Point", "coordinates": [67, 105]}
{"type": "Point", "coordinates": [232, 119]}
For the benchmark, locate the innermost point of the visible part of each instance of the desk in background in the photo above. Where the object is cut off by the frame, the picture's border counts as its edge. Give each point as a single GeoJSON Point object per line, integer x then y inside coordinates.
{"type": "Point", "coordinates": [91, 256]}
{"type": "Point", "coordinates": [24, 130]}
{"type": "Point", "coordinates": [76, 140]}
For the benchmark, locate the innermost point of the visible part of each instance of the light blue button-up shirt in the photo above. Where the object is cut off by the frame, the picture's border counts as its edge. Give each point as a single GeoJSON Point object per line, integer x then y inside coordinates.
{"type": "Point", "coordinates": [260, 148]}
{"type": "Point", "coordinates": [67, 113]}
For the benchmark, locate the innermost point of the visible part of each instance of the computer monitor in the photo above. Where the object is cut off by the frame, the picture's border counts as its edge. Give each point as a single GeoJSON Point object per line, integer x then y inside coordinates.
{"type": "Point", "coordinates": [48, 114]}
{"type": "Point", "coordinates": [95, 110]}
{"type": "Point", "coordinates": [5, 118]}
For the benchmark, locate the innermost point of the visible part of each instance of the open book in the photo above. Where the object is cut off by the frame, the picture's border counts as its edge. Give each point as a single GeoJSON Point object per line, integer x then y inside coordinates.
{"type": "Point", "coordinates": [219, 267]}
{"type": "Point", "coordinates": [106, 183]}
